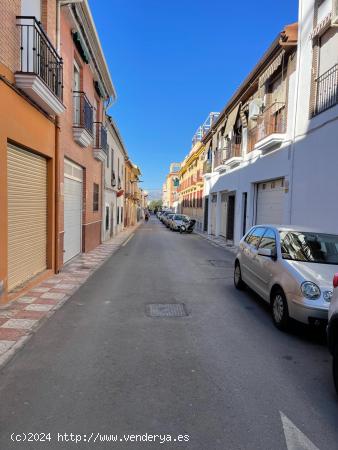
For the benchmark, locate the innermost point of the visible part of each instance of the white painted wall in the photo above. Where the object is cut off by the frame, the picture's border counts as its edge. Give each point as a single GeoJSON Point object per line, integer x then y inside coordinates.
{"type": "Point", "coordinates": [115, 153]}
{"type": "Point", "coordinates": [315, 156]}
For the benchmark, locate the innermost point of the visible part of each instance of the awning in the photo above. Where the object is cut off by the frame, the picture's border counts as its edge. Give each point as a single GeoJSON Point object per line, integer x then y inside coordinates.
{"type": "Point", "coordinates": [119, 193]}
{"type": "Point", "coordinates": [231, 120]}
{"type": "Point", "coordinates": [271, 69]}
{"type": "Point", "coordinates": [80, 45]}
{"type": "Point", "coordinates": [99, 89]}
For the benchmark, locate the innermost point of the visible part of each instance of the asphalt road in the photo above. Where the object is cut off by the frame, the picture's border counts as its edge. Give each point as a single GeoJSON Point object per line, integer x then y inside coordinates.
{"type": "Point", "coordinates": [223, 375]}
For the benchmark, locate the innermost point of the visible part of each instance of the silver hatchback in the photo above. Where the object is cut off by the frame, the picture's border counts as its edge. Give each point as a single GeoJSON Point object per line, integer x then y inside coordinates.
{"type": "Point", "coordinates": [291, 268]}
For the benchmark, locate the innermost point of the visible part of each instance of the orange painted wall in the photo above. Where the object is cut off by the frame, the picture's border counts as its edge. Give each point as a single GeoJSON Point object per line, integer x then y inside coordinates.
{"type": "Point", "coordinates": [24, 125]}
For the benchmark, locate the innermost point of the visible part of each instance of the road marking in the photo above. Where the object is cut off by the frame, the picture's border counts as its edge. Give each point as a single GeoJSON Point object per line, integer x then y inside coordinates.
{"type": "Point", "coordinates": [295, 439]}
{"type": "Point", "coordinates": [129, 239]}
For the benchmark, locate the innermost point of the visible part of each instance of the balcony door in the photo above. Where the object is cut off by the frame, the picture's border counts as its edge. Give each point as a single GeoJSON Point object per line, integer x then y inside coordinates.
{"type": "Point", "coordinates": [77, 98]}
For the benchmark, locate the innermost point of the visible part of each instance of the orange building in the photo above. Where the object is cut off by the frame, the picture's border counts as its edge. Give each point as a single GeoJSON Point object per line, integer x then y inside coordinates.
{"type": "Point", "coordinates": [30, 99]}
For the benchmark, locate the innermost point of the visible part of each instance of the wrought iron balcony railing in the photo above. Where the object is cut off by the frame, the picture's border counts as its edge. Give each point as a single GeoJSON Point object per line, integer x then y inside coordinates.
{"type": "Point", "coordinates": [100, 137]}
{"type": "Point", "coordinates": [327, 90]}
{"type": "Point", "coordinates": [82, 112]}
{"type": "Point", "coordinates": [271, 121]}
{"type": "Point", "coordinates": [38, 55]}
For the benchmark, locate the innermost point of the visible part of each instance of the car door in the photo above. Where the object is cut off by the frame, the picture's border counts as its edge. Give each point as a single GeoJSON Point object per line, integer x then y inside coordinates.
{"type": "Point", "coordinates": [251, 257]}
{"type": "Point", "coordinates": [248, 256]}
{"type": "Point", "coordinates": [264, 265]}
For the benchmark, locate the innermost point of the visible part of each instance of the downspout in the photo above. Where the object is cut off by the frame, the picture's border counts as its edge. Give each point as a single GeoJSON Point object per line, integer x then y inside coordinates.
{"type": "Point", "coordinates": [57, 194]}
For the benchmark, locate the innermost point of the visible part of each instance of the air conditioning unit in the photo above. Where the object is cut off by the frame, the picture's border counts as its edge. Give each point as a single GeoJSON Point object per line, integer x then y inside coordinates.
{"type": "Point", "coordinates": [255, 108]}
{"type": "Point", "coordinates": [334, 17]}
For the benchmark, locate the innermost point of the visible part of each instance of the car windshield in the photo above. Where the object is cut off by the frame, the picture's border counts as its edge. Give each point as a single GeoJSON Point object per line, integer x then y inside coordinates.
{"type": "Point", "coordinates": [309, 247]}
{"type": "Point", "coordinates": [180, 217]}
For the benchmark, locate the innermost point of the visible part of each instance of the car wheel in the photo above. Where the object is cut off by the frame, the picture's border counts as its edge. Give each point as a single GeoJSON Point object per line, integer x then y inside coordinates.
{"type": "Point", "coordinates": [280, 310]}
{"type": "Point", "coordinates": [238, 281]}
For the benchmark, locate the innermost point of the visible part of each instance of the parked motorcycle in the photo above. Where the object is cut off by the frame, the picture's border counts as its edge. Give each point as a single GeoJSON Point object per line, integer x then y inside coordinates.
{"type": "Point", "coordinates": [188, 226]}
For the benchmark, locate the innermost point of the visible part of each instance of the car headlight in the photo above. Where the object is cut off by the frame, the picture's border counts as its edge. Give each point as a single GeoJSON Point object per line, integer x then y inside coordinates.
{"type": "Point", "coordinates": [310, 290]}
{"type": "Point", "coordinates": [327, 295]}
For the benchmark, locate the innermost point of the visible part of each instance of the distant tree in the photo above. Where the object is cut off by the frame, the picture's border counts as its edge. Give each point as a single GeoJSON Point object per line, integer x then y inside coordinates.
{"type": "Point", "coordinates": [155, 204]}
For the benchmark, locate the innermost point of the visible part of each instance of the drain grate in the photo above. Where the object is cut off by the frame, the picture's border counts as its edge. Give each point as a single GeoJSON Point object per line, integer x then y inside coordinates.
{"type": "Point", "coordinates": [166, 310]}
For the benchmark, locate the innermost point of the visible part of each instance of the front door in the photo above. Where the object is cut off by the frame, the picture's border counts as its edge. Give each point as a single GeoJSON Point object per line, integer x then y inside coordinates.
{"type": "Point", "coordinates": [206, 212]}
{"type": "Point", "coordinates": [231, 218]}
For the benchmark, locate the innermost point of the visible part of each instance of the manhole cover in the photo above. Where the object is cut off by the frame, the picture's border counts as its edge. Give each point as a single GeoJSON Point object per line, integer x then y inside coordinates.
{"type": "Point", "coordinates": [166, 310]}
{"type": "Point", "coordinates": [218, 262]}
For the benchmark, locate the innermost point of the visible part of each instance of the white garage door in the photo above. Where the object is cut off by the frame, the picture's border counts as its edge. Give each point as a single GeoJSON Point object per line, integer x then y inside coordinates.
{"type": "Point", "coordinates": [270, 202]}
{"type": "Point", "coordinates": [27, 216]}
{"type": "Point", "coordinates": [72, 211]}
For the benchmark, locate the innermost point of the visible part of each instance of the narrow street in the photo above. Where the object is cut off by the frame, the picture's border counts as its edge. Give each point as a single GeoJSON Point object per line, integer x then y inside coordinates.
{"type": "Point", "coordinates": [222, 375]}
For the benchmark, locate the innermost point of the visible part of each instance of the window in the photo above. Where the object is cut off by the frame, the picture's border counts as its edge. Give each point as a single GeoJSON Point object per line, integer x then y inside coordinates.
{"type": "Point", "coordinates": [255, 236]}
{"type": "Point", "coordinates": [309, 247]}
{"type": "Point", "coordinates": [268, 240]}
{"type": "Point", "coordinates": [96, 196]}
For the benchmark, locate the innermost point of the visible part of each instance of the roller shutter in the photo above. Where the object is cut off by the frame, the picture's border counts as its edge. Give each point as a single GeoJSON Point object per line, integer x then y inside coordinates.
{"type": "Point", "coordinates": [27, 216]}
{"type": "Point", "coordinates": [270, 202]}
{"type": "Point", "coordinates": [72, 210]}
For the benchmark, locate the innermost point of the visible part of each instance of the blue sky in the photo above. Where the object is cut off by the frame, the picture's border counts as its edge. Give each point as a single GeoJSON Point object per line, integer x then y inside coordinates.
{"type": "Point", "coordinates": [174, 61]}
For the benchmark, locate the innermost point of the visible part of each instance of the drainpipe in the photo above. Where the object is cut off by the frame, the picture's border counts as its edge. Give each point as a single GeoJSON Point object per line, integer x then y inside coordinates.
{"type": "Point", "coordinates": [57, 194]}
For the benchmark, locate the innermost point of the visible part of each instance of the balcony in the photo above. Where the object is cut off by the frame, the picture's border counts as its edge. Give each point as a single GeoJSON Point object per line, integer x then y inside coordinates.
{"type": "Point", "coordinates": [270, 129]}
{"type": "Point", "coordinates": [100, 141]}
{"type": "Point", "coordinates": [41, 68]}
{"type": "Point", "coordinates": [82, 119]}
{"type": "Point", "coordinates": [327, 90]}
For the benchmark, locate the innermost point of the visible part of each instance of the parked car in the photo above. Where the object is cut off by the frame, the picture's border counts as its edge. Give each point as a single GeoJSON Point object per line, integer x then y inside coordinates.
{"type": "Point", "coordinates": [332, 330]}
{"type": "Point", "coordinates": [163, 215]}
{"type": "Point", "coordinates": [177, 221]}
{"type": "Point", "coordinates": [291, 268]}
{"type": "Point", "coordinates": [167, 220]}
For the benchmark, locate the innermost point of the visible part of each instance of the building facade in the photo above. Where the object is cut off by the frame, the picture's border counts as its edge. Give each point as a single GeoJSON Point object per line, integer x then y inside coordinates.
{"type": "Point", "coordinates": [132, 194]}
{"type": "Point", "coordinates": [114, 182]}
{"type": "Point", "coordinates": [314, 160]}
{"type": "Point", "coordinates": [191, 185]}
{"type": "Point", "coordinates": [83, 138]}
{"type": "Point", "coordinates": [247, 151]}
{"type": "Point", "coordinates": [31, 98]}
{"type": "Point", "coordinates": [170, 188]}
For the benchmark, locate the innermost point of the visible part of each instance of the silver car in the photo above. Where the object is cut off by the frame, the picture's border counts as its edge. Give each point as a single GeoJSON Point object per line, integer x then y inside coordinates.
{"type": "Point", "coordinates": [332, 330]}
{"type": "Point", "coordinates": [291, 268]}
{"type": "Point", "coordinates": [177, 221]}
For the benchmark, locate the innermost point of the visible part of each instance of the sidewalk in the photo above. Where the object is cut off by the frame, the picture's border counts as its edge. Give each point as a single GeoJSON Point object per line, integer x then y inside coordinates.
{"type": "Point", "coordinates": [23, 316]}
{"type": "Point", "coordinates": [218, 241]}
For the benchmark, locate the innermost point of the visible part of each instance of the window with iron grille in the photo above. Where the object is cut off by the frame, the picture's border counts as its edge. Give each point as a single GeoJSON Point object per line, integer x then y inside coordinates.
{"type": "Point", "coordinates": [96, 195]}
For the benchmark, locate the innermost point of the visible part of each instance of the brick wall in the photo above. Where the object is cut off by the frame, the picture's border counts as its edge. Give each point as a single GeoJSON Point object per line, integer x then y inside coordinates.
{"type": "Point", "coordinates": [48, 18]}
{"type": "Point", "coordinates": [9, 34]}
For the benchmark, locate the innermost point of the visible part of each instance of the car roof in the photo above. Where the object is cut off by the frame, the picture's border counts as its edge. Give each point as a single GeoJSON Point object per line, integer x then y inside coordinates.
{"type": "Point", "coordinates": [295, 228]}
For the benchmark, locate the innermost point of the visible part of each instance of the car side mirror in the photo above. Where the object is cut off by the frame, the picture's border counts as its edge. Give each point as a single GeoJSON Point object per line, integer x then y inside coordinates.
{"type": "Point", "coordinates": [267, 252]}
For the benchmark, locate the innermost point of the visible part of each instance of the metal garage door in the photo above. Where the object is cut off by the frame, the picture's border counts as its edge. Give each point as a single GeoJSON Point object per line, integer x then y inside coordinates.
{"type": "Point", "coordinates": [27, 215]}
{"type": "Point", "coordinates": [72, 211]}
{"type": "Point", "coordinates": [270, 202]}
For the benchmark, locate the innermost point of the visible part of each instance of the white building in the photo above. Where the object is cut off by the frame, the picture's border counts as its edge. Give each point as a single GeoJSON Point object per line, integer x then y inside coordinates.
{"type": "Point", "coordinates": [247, 151]}
{"type": "Point", "coordinates": [113, 220]}
{"type": "Point", "coordinates": [314, 180]}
